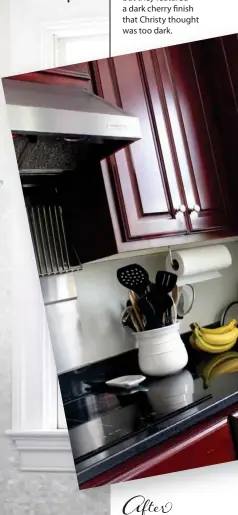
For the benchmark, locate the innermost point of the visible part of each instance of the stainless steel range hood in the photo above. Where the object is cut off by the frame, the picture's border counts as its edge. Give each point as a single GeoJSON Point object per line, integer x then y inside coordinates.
{"type": "Point", "coordinates": [68, 112]}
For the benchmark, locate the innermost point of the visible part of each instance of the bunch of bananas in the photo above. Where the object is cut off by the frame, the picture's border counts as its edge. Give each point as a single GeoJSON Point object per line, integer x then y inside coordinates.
{"type": "Point", "coordinates": [226, 363]}
{"type": "Point", "coordinates": [214, 341]}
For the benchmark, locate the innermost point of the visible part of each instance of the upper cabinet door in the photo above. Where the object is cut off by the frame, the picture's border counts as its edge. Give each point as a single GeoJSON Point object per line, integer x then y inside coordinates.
{"type": "Point", "coordinates": [197, 140]}
{"type": "Point", "coordinates": [145, 176]}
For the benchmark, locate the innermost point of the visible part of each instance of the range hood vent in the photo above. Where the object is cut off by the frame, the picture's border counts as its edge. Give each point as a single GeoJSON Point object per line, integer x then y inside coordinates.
{"type": "Point", "coordinates": [38, 155]}
{"type": "Point", "coordinates": [69, 113]}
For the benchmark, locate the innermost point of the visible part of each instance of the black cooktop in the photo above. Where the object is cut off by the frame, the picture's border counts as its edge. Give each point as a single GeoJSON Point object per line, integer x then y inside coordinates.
{"type": "Point", "coordinates": [108, 425]}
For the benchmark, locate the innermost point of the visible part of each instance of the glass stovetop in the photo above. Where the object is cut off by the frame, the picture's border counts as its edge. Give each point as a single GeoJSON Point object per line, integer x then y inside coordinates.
{"type": "Point", "coordinates": [107, 425]}
{"type": "Point", "coordinates": [102, 417]}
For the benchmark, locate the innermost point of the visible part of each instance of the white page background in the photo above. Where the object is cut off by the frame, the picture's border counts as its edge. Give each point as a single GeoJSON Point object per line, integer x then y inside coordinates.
{"type": "Point", "coordinates": [204, 491]}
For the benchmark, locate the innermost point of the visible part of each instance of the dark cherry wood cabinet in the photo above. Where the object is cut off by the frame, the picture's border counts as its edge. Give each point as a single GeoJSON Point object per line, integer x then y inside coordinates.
{"type": "Point", "coordinates": [222, 77]}
{"type": "Point", "coordinates": [173, 181]}
{"type": "Point", "coordinates": [198, 146]}
{"type": "Point", "coordinates": [145, 176]}
{"type": "Point", "coordinates": [73, 75]}
{"type": "Point", "coordinates": [179, 182]}
{"type": "Point", "coordinates": [209, 443]}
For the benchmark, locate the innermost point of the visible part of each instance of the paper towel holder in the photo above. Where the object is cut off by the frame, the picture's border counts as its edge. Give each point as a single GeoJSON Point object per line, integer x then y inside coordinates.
{"type": "Point", "coordinates": [174, 262]}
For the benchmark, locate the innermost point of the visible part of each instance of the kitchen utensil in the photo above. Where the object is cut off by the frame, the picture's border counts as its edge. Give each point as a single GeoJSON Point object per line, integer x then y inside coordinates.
{"type": "Point", "coordinates": [175, 294]}
{"type": "Point", "coordinates": [165, 281]}
{"type": "Point", "coordinates": [170, 318]}
{"type": "Point", "coordinates": [162, 303]}
{"type": "Point", "coordinates": [148, 312]}
{"type": "Point", "coordinates": [229, 313]}
{"type": "Point", "coordinates": [158, 295]}
{"type": "Point", "coordinates": [126, 381]}
{"type": "Point", "coordinates": [136, 313]}
{"type": "Point", "coordinates": [142, 314]}
{"type": "Point", "coordinates": [126, 318]}
{"type": "Point", "coordinates": [126, 314]}
{"type": "Point", "coordinates": [180, 307]}
{"type": "Point", "coordinates": [186, 300]}
{"type": "Point", "coordinates": [168, 303]}
{"type": "Point", "coordinates": [136, 325]}
{"type": "Point", "coordinates": [134, 277]}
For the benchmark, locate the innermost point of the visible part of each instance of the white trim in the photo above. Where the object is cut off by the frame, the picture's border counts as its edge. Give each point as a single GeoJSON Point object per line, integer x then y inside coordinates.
{"type": "Point", "coordinates": [36, 400]}
{"type": "Point", "coordinates": [81, 28]}
{"type": "Point", "coordinates": [34, 430]}
{"type": "Point", "coordinates": [43, 451]}
{"type": "Point", "coordinates": [34, 384]}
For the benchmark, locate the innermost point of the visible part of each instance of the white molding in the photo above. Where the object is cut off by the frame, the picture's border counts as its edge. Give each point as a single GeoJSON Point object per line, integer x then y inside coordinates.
{"type": "Point", "coordinates": [34, 382]}
{"type": "Point", "coordinates": [36, 401]}
{"type": "Point", "coordinates": [80, 28]}
{"type": "Point", "coordinates": [43, 451]}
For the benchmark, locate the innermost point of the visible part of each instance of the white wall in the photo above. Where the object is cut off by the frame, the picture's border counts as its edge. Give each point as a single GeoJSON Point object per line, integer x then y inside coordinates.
{"type": "Point", "coordinates": [101, 298]}
{"type": "Point", "coordinates": [28, 18]}
{"type": "Point", "coordinates": [5, 57]}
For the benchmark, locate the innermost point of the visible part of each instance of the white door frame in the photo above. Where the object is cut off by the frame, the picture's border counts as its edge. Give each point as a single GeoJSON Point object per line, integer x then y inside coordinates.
{"type": "Point", "coordinates": [83, 28]}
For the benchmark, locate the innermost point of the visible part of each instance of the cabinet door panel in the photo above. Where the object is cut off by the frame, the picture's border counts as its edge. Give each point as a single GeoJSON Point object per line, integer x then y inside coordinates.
{"type": "Point", "coordinates": [229, 46]}
{"type": "Point", "coordinates": [157, 93]}
{"type": "Point", "coordinates": [200, 140]}
{"type": "Point", "coordinates": [146, 195]}
{"type": "Point", "coordinates": [223, 81]}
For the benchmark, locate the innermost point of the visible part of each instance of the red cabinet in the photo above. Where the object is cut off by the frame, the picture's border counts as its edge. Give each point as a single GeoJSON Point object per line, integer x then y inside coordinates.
{"type": "Point", "coordinates": [209, 443]}
{"type": "Point", "coordinates": [198, 144]}
{"type": "Point", "coordinates": [146, 175]}
{"type": "Point", "coordinates": [174, 181]}
{"type": "Point", "coordinates": [73, 75]}
{"type": "Point", "coordinates": [223, 82]}
{"type": "Point", "coordinates": [178, 184]}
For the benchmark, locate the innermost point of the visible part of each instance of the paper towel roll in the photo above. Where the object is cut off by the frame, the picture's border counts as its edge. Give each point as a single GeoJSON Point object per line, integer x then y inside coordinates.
{"type": "Point", "coordinates": [199, 261]}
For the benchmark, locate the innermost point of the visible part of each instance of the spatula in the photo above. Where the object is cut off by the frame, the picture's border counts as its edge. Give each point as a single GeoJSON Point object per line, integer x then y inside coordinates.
{"type": "Point", "coordinates": [134, 277]}
{"type": "Point", "coordinates": [165, 281]}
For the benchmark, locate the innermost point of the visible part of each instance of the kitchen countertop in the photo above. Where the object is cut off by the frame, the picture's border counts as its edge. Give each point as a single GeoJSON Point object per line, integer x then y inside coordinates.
{"type": "Point", "coordinates": [107, 426]}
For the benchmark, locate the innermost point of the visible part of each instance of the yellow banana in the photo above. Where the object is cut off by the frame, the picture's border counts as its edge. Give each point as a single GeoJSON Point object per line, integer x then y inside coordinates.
{"type": "Point", "coordinates": [219, 339]}
{"type": "Point", "coordinates": [192, 341]}
{"type": "Point", "coordinates": [219, 330]}
{"type": "Point", "coordinates": [212, 348]}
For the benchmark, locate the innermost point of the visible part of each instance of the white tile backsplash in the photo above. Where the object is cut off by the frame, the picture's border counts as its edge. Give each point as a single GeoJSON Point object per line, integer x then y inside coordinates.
{"type": "Point", "coordinates": [101, 299]}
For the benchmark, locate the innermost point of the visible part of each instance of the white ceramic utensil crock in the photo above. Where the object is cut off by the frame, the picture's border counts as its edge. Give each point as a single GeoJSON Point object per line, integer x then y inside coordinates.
{"type": "Point", "coordinates": [161, 351]}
